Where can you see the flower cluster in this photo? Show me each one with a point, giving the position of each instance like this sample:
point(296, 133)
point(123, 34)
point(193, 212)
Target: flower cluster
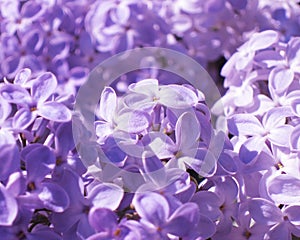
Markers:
point(69, 38)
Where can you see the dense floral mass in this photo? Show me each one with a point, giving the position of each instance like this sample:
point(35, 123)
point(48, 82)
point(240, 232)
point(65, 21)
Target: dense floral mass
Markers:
point(165, 165)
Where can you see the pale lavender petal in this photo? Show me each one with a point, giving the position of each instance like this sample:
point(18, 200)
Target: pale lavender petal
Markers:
point(251, 148)
point(295, 138)
point(5, 110)
point(9, 160)
point(178, 97)
point(103, 129)
point(152, 207)
point(263, 40)
point(280, 231)
point(276, 117)
point(269, 58)
point(106, 195)
point(209, 204)
point(22, 77)
point(9, 207)
point(206, 227)
point(280, 136)
point(280, 79)
point(133, 121)
point(186, 215)
point(140, 101)
point(148, 87)
point(108, 104)
point(53, 197)
point(187, 131)
point(264, 212)
point(293, 214)
point(103, 219)
point(293, 53)
point(284, 189)
point(245, 125)
point(43, 87)
point(295, 104)
point(23, 118)
point(15, 94)
point(54, 111)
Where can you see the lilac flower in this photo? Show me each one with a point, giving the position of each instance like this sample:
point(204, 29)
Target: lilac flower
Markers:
point(37, 103)
point(157, 215)
point(272, 129)
point(105, 222)
point(76, 216)
point(281, 222)
point(113, 118)
point(147, 94)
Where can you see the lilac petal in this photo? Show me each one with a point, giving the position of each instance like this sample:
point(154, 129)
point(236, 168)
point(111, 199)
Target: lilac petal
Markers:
point(293, 53)
point(103, 219)
point(187, 131)
point(160, 144)
point(227, 189)
point(9, 207)
point(9, 160)
point(276, 117)
point(122, 13)
point(251, 148)
point(15, 94)
point(280, 79)
point(295, 105)
point(202, 161)
point(245, 125)
point(280, 136)
point(22, 77)
point(295, 138)
point(103, 130)
point(43, 87)
point(152, 207)
point(264, 212)
point(269, 58)
point(53, 197)
point(64, 141)
point(293, 214)
point(244, 96)
point(133, 121)
point(72, 183)
point(16, 184)
point(209, 204)
point(280, 231)
point(5, 110)
point(54, 111)
point(154, 169)
point(263, 40)
point(140, 101)
point(178, 97)
point(23, 118)
point(108, 104)
point(106, 195)
point(284, 189)
point(84, 229)
point(39, 162)
point(206, 227)
point(186, 215)
point(227, 163)
point(148, 87)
